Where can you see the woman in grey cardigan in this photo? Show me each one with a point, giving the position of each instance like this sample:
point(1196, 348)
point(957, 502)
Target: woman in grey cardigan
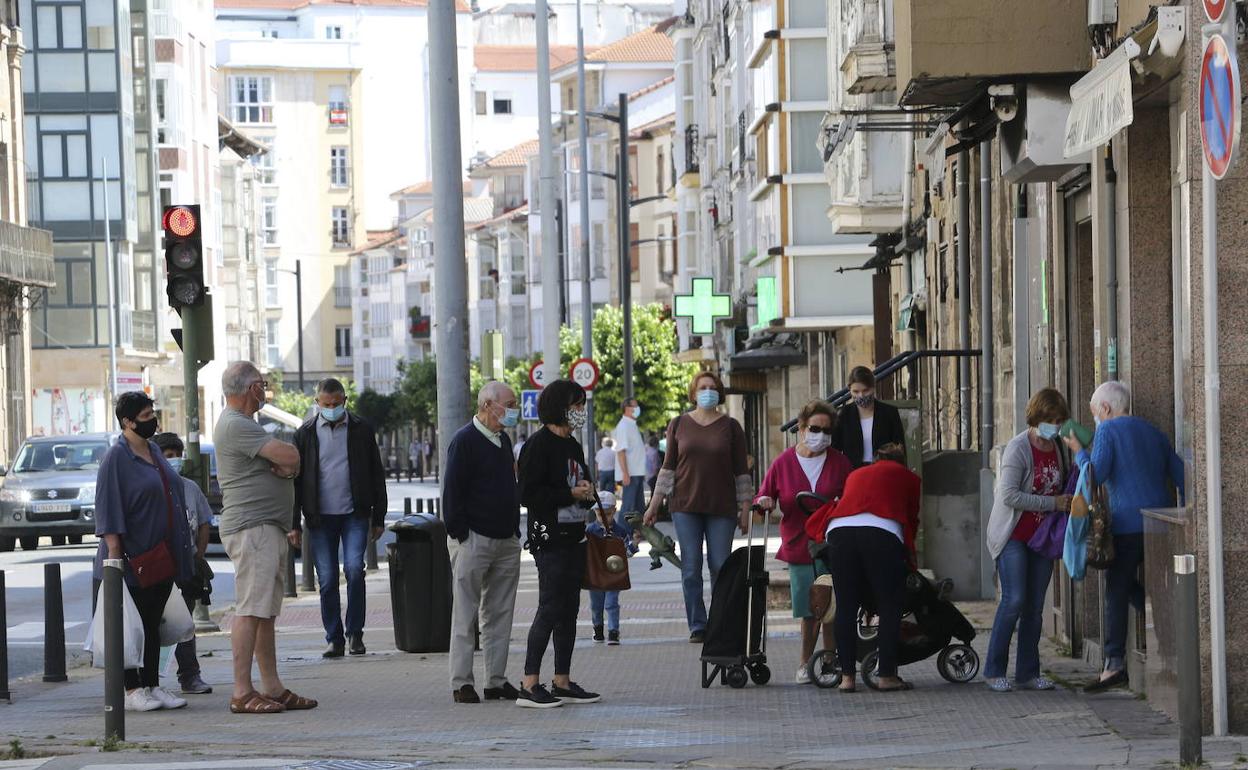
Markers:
point(1033, 474)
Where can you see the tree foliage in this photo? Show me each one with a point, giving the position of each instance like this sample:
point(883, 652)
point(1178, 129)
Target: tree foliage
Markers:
point(300, 404)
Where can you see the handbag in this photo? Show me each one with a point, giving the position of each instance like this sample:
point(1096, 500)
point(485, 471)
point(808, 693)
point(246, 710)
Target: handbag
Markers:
point(1100, 524)
point(1050, 537)
point(606, 558)
point(156, 565)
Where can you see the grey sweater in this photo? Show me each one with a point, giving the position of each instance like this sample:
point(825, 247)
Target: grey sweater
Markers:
point(1013, 493)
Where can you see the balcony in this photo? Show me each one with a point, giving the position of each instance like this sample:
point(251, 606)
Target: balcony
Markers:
point(691, 177)
point(947, 50)
point(26, 255)
point(869, 64)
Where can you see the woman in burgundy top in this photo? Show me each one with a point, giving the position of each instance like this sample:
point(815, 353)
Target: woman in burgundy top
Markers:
point(707, 484)
point(811, 466)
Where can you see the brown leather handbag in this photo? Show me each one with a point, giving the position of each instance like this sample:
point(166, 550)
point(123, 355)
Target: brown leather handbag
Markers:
point(606, 558)
point(1100, 527)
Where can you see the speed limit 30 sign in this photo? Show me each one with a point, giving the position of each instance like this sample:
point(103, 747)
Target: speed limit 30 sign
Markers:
point(584, 372)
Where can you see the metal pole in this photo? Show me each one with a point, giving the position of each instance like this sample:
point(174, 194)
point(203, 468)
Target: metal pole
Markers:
point(299, 316)
point(53, 625)
point(289, 592)
point(546, 201)
point(587, 300)
point(964, 299)
point(370, 554)
point(626, 248)
point(1111, 262)
point(907, 202)
point(112, 289)
point(407, 506)
point(450, 270)
point(1187, 645)
point(308, 583)
point(987, 374)
point(4, 643)
point(114, 654)
point(190, 387)
point(1213, 450)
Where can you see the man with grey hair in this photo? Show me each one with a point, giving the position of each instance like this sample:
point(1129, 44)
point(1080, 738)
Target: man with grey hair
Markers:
point(341, 493)
point(481, 509)
point(1135, 462)
point(255, 472)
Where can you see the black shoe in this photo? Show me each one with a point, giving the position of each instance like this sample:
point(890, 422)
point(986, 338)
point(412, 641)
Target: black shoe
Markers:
point(697, 637)
point(357, 644)
point(613, 637)
point(506, 692)
point(537, 698)
point(598, 637)
point(574, 693)
point(465, 694)
point(1116, 679)
point(334, 650)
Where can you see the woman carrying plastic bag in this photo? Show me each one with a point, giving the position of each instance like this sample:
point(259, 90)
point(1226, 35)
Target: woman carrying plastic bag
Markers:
point(132, 632)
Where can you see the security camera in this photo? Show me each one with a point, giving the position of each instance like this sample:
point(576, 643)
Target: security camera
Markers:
point(1171, 25)
point(1004, 101)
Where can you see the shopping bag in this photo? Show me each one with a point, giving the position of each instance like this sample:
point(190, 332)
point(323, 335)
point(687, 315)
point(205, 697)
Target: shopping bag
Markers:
point(176, 624)
point(132, 631)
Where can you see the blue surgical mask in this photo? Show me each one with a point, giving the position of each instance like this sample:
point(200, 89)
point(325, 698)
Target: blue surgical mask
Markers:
point(637, 412)
point(175, 463)
point(708, 399)
point(510, 418)
point(1047, 430)
point(333, 413)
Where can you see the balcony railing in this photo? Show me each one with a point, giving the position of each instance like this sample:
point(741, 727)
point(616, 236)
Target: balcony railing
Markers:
point(742, 125)
point(340, 239)
point(342, 296)
point(339, 115)
point(166, 24)
point(691, 149)
point(26, 255)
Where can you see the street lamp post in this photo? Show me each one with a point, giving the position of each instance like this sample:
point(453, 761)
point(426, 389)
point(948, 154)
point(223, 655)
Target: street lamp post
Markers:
point(626, 269)
point(298, 274)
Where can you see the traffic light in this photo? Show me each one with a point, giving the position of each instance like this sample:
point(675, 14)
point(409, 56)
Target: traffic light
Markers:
point(184, 256)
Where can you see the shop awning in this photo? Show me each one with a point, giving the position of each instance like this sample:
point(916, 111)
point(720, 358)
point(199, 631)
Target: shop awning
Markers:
point(1101, 102)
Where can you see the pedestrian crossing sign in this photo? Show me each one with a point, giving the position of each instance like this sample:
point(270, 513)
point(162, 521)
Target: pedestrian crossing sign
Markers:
point(528, 404)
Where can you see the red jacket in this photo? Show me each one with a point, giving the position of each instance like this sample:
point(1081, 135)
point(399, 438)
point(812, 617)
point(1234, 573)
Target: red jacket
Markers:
point(885, 488)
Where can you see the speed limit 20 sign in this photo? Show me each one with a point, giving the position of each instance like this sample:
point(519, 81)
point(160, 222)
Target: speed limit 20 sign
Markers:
point(584, 372)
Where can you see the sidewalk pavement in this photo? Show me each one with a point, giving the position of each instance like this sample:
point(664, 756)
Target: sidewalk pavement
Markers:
point(393, 710)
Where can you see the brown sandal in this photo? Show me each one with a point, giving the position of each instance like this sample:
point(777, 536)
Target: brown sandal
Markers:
point(255, 703)
point(293, 702)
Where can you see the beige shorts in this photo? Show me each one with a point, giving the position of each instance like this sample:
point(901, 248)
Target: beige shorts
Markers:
point(259, 556)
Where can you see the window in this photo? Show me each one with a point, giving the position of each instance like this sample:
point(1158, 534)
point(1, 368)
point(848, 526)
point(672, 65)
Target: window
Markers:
point(482, 101)
point(634, 248)
point(251, 99)
point(513, 190)
point(273, 354)
point(502, 103)
point(337, 106)
point(269, 33)
point(342, 286)
point(659, 165)
point(268, 224)
point(266, 162)
point(341, 229)
point(338, 166)
point(342, 345)
point(64, 154)
point(270, 283)
point(59, 28)
point(333, 32)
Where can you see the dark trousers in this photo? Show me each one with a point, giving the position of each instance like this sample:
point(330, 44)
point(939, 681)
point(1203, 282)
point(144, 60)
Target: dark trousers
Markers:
point(560, 571)
point(150, 602)
point(1122, 588)
point(867, 559)
point(187, 655)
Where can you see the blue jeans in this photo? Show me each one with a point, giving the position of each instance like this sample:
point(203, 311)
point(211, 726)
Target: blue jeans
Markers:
point(608, 600)
point(632, 500)
point(1122, 587)
point(692, 529)
point(352, 532)
point(606, 481)
point(1024, 576)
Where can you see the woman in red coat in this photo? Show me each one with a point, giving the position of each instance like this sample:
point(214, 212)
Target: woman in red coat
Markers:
point(870, 533)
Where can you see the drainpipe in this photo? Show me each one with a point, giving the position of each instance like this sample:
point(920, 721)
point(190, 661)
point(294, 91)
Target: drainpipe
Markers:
point(907, 262)
point(1111, 273)
point(964, 299)
point(986, 371)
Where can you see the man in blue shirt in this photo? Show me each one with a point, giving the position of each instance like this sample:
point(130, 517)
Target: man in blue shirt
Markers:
point(1137, 464)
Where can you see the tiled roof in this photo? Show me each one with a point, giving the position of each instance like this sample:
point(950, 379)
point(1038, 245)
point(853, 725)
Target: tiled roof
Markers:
point(375, 239)
point(292, 5)
point(649, 45)
point(516, 157)
point(520, 58)
point(426, 188)
point(520, 212)
point(475, 210)
point(640, 92)
point(640, 131)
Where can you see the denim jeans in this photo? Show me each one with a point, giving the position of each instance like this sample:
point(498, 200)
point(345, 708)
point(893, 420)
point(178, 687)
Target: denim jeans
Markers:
point(1122, 587)
point(606, 481)
point(1024, 576)
point(692, 529)
point(608, 600)
point(632, 500)
point(352, 533)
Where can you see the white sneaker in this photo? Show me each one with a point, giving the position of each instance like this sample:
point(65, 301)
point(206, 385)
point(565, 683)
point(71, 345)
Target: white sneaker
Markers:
point(803, 674)
point(167, 699)
point(142, 700)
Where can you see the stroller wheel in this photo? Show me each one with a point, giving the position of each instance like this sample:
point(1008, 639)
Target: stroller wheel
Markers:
point(958, 663)
point(823, 669)
point(736, 677)
point(760, 674)
point(870, 669)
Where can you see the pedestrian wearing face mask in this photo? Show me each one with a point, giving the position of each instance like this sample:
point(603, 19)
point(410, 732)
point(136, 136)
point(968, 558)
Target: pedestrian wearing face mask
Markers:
point(811, 466)
point(706, 483)
point(865, 424)
point(340, 494)
point(1033, 473)
point(630, 463)
point(481, 510)
point(555, 486)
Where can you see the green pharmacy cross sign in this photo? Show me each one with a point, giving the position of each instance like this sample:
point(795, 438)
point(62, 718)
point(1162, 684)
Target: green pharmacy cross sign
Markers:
point(703, 306)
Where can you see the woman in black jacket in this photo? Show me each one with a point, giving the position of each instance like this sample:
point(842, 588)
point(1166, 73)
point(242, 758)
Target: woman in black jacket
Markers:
point(864, 424)
point(555, 486)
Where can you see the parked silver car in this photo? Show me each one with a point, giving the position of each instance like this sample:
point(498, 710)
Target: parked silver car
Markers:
point(50, 490)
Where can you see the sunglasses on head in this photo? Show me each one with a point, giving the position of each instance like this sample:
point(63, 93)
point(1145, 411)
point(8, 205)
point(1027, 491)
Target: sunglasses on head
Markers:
point(818, 429)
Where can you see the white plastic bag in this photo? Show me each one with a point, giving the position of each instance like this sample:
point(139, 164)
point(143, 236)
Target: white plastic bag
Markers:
point(176, 624)
point(132, 631)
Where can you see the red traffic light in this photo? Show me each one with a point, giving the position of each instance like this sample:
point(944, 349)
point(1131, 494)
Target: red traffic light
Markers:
point(180, 221)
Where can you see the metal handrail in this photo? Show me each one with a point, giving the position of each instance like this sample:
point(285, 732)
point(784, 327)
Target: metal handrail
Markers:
point(886, 370)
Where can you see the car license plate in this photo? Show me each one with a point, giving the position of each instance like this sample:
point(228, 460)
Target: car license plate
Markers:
point(52, 507)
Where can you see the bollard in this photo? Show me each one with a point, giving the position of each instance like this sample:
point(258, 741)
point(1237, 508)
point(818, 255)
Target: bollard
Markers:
point(1187, 638)
point(309, 568)
point(407, 506)
point(53, 625)
point(289, 592)
point(420, 505)
point(4, 644)
point(370, 554)
point(114, 654)
point(203, 621)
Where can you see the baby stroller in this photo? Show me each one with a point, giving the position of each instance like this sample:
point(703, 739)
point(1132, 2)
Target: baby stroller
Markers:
point(735, 648)
point(929, 625)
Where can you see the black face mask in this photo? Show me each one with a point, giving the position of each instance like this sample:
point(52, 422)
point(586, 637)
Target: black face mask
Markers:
point(145, 429)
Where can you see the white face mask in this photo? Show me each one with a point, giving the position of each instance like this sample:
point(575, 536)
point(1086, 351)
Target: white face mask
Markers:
point(818, 442)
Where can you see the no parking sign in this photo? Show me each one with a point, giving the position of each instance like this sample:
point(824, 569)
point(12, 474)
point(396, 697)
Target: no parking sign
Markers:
point(1219, 106)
